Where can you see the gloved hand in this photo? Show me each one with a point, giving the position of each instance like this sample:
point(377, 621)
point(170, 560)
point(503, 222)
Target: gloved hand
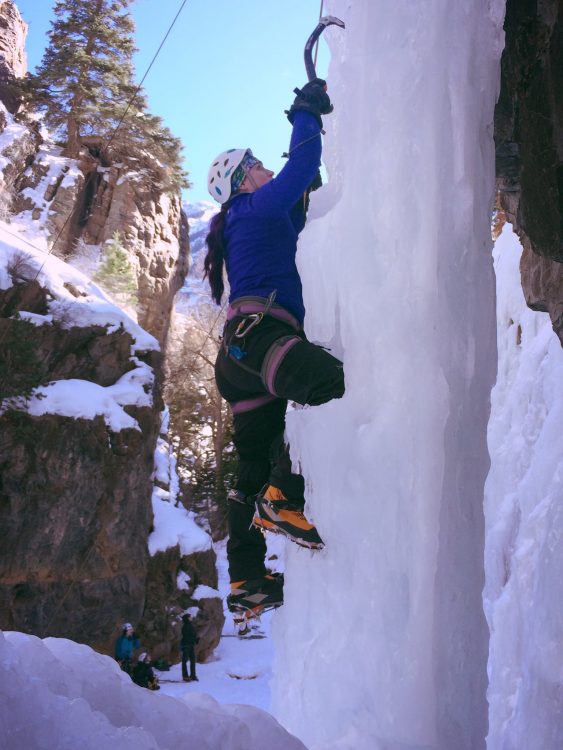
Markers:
point(311, 98)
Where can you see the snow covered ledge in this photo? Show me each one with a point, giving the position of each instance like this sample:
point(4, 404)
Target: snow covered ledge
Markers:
point(382, 641)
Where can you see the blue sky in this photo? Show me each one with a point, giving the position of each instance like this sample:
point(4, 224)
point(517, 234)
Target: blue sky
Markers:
point(224, 76)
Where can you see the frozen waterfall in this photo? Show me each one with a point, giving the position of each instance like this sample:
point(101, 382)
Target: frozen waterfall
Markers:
point(382, 643)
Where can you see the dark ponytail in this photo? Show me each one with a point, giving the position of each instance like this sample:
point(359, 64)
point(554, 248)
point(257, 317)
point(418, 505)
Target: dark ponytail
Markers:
point(215, 258)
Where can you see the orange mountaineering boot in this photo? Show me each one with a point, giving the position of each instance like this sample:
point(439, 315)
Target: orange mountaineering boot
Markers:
point(274, 512)
point(252, 597)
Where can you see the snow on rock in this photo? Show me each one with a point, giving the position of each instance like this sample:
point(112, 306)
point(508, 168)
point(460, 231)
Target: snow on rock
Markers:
point(524, 519)
point(12, 132)
point(162, 462)
point(91, 307)
point(172, 523)
point(183, 581)
point(53, 168)
point(82, 399)
point(175, 525)
point(75, 301)
point(205, 592)
point(57, 693)
point(165, 461)
point(37, 320)
point(382, 637)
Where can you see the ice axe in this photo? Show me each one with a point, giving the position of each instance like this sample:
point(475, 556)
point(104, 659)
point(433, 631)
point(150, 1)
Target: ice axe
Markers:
point(309, 64)
point(308, 55)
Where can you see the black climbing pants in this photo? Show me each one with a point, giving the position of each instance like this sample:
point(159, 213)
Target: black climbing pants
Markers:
point(188, 655)
point(258, 374)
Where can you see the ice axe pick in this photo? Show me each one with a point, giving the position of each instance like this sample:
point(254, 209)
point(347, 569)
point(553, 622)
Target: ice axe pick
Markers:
point(308, 55)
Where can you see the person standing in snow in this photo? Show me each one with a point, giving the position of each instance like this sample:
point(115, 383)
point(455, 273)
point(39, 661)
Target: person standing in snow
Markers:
point(187, 646)
point(265, 359)
point(125, 645)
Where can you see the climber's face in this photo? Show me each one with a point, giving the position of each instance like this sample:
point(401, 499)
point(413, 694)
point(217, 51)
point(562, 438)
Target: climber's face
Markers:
point(256, 178)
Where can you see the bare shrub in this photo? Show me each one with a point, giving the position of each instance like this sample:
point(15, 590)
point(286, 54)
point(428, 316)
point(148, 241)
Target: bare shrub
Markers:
point(21, 267)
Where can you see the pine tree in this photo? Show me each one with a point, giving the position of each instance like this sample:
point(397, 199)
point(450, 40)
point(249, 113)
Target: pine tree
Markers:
point(86, 85)
point(87, 65)
point(115, 274)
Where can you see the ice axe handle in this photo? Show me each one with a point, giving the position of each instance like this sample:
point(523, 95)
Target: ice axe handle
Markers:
point(308, 55)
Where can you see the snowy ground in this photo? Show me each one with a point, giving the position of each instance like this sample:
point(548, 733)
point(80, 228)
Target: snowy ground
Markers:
point(240, 670)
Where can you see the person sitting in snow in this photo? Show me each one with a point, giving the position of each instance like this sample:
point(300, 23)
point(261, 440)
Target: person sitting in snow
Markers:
point(125, 645)
point(265, 359)
point(143, 673)
point(187, 646)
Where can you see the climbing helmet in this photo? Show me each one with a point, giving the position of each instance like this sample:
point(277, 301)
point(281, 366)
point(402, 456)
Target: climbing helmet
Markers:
point(227, 172)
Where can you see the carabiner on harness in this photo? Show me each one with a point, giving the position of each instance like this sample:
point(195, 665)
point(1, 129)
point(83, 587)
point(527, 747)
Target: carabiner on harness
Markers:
point(247, 324)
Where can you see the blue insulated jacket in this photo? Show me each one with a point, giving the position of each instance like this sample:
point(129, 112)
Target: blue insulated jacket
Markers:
point(125, 646)
point(262, 227)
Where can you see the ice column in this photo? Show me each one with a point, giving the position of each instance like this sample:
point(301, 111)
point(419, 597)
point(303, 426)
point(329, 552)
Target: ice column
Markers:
point(382, 642)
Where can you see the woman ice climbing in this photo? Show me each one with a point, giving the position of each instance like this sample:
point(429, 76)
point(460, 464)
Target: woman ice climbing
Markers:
point(265, 359)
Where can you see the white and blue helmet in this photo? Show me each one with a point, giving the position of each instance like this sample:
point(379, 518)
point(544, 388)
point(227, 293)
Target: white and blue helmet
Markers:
point(227, 172)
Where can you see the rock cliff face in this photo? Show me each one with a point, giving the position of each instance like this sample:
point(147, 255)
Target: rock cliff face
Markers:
point(12, 40)
point(85, 203)
point(529, 147)
point(74, 493)
point(104, 200)
point(161, 624)
point(76, 481)
point(13, 60)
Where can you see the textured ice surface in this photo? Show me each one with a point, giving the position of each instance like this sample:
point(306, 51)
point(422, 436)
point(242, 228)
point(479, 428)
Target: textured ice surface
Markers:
point(524, 517)
point(58, 694)
point(382, 641)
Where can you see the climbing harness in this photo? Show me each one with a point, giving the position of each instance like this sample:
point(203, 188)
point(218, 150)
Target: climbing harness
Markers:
point(252, 311)
point(253, 318)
